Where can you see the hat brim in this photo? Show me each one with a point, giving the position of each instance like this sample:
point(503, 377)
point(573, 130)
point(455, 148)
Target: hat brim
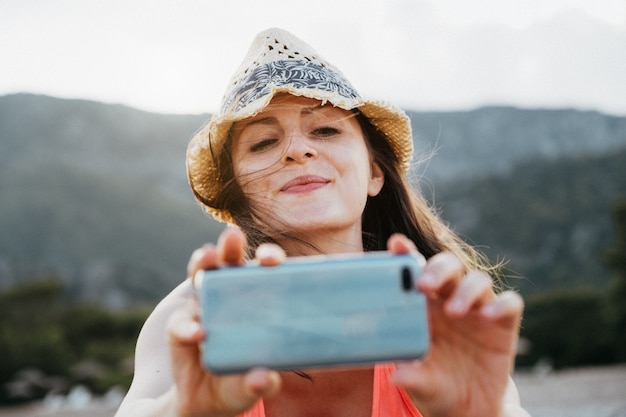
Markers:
point(208, 144)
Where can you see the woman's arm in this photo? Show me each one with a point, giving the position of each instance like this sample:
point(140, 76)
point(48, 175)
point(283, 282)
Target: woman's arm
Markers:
point(511, 402)
point(151, 392)
point(169, 378)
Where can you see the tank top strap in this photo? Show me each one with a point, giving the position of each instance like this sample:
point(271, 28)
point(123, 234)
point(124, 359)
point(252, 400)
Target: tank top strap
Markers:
point(258, 410)
point(390, 400)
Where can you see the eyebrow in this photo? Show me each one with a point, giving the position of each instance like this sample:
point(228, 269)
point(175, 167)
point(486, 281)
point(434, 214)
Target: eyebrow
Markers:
point(270, 120)
point(312, 109)
point(261, 121)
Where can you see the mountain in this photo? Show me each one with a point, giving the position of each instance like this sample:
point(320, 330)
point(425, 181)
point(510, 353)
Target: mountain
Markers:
point(534, 188)
point(96, 194)
point(494, 140)
point(550, 219)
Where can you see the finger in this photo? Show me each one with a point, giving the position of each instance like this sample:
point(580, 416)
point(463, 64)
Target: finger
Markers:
point(415, 379)
point(400, 244)
point(231, 247)
point(183, 327)
point(508, 305)
point(441, 275)
point(202, 258)
point(473, 291)
point(184, 335)
point(238, 393)
point(269, 254)
point(262, 382)
point(505, 312)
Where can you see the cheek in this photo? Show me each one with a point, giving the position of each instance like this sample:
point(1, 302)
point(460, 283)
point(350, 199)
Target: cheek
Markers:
point(256, 184)
point(252, 183)
point(258, 166)
point(356, 167)
point(248, 172)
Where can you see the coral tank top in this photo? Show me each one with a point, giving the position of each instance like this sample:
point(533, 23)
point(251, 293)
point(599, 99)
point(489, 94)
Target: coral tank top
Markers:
point(388, 399)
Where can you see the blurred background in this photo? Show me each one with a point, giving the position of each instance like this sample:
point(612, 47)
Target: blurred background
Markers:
point(519, 117)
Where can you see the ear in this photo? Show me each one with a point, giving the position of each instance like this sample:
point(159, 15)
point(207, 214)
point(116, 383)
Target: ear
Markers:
point(377, 180)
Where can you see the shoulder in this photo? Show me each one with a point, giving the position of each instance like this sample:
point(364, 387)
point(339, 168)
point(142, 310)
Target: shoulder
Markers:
point(153, 374)
point(178, 297)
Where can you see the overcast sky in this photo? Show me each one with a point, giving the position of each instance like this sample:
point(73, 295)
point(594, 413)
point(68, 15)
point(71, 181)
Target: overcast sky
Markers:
point(177, 56)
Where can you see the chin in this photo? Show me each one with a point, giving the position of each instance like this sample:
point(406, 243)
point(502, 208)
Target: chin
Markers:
point(317, 216)
point(304, 224)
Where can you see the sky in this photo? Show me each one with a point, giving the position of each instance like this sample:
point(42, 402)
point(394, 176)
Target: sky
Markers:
point(176, 57)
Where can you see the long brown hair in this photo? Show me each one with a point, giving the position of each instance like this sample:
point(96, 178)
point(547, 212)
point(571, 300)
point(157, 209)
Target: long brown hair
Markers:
point(398, 208)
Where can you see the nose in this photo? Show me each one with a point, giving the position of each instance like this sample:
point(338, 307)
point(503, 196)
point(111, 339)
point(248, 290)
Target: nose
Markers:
point(299, 149)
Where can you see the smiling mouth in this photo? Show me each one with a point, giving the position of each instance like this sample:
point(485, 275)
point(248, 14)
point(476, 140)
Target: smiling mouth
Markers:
point(304, 183)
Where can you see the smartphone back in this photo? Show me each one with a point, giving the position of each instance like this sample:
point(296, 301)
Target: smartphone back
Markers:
point(346, 310)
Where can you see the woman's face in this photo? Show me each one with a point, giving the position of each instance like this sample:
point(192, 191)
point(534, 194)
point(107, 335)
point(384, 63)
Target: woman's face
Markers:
point(306, 165)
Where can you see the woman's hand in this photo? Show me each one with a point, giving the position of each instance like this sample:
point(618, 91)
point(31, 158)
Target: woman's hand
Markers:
point(200, 393)
point(473, 342)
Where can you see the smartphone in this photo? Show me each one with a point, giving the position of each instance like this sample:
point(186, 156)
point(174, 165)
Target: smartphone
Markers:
point(311, 312)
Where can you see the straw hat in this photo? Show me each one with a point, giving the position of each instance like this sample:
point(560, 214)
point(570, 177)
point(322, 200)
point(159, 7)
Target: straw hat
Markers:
point(279, 62)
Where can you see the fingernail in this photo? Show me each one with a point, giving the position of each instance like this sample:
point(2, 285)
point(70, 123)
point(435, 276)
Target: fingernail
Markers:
point(490, 310)
point(269, 254)
point(190, 329)
point(427, 278)
point(273, 377)
point(264, 250)
point(456, 306)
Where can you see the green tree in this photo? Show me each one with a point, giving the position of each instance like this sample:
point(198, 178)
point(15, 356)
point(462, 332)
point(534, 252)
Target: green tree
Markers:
point(568, 328)
point(30, 330)
point(84, 344)
point(615, 258)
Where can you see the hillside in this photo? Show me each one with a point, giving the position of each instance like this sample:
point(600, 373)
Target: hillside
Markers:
point(494, 140)
point(550, 219)
point(97, 194)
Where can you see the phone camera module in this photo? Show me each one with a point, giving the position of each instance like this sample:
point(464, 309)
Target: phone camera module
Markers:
point(407, 279)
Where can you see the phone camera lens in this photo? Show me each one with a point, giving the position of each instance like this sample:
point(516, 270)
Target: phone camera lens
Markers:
point(407, 279)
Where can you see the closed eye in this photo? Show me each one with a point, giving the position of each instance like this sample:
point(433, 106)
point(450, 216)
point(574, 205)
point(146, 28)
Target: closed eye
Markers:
point(262, 145)
point(326, 131)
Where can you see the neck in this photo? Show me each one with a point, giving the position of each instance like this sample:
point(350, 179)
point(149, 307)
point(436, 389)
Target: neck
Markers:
point(323, 242)
point(334, 393)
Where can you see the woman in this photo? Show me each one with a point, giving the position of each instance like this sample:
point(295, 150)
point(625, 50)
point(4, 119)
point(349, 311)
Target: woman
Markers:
point(302, 165)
